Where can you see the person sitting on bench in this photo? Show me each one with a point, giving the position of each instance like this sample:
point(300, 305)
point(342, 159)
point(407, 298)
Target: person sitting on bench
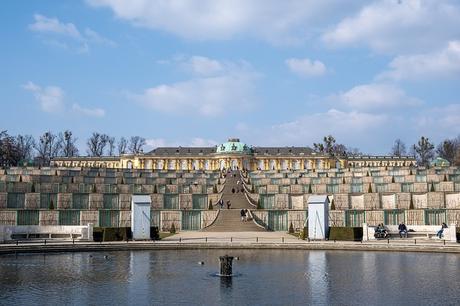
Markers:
point(441, 231)
point(402, 230)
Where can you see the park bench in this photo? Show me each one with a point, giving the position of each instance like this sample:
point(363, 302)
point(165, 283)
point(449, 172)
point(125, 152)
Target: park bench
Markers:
point(414, 232)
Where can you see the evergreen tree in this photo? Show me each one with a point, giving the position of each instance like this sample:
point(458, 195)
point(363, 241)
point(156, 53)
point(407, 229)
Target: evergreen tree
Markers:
point(332, 205)
point(291, 228)
point(210, 207)
point(259, 206)
point(369, 190)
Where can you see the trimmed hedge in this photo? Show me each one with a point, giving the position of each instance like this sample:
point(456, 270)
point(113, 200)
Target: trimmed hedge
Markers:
point(112, 234)
point(346, 233)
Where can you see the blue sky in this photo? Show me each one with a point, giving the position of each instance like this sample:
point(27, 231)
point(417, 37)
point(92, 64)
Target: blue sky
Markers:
point(198, 72)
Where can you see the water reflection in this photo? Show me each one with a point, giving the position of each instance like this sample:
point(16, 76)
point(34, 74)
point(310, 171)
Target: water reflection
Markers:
point(275, 277)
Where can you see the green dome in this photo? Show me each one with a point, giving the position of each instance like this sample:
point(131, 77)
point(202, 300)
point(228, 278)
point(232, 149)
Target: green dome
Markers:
point(233, 145)
point(440, 162)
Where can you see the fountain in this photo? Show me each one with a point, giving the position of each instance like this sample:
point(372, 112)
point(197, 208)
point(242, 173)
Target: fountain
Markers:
point(226, 265)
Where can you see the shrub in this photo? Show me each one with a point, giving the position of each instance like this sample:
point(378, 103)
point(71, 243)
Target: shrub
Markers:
point(259, 206)
point(303, 233)
point(155, 189)
point(369, 190)
point(296, 181)
point(51, 206)
point(214, 189)
point(393, 179)
point(32, 188)
point(432, 187)
point(346, 233)
point(411, 204)
point(154, 233)
point(309, 189)
point(172, 230)
point(332, 205)
point(291, 228)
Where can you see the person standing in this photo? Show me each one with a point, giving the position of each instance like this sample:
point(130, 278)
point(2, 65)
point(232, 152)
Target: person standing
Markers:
point(228, 204)
point(246, 215)
point(243, 215)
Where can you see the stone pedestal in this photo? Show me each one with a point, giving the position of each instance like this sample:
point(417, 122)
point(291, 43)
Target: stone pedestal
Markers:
point(226, 265)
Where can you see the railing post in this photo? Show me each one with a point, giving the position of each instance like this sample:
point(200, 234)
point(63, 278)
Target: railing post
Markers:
point(206, 239)
point(415, 241)
point(282, 239)
point(444, 241)
point(231, 239)
point(17, 242)
point(388, 241)
point(257, 239)
point(45, 241)
point(180, 239)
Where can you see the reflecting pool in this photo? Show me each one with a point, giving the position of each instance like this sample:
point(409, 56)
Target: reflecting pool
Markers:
point(263, 277)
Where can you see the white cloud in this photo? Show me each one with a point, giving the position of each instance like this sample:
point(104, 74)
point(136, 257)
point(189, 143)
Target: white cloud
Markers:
point(204, 66)
point(153, 143)
point(375, 96)
point(394, 26)
point(347, 127)
point(51, 98)
point(228, 90)
point(438, 121)
point(305, 67)
point(44, 24)
point(62, 34)
point(440, 64)
point(271, 20)
point(201, 142)
point(91, 112)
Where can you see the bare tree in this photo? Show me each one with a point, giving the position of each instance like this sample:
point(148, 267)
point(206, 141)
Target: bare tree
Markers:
point(136, 144)
point(9, 155)
point(330, 147)
point(424, 151)
point(67, 146)
point(353, 152)
point(47, 147)
point(122, 146)
point(25, 147)
point(399, 148)
point(448, 149)
point(96, 144)
point(111, 146)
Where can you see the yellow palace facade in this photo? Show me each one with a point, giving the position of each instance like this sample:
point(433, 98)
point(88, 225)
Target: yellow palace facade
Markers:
point(232, 154)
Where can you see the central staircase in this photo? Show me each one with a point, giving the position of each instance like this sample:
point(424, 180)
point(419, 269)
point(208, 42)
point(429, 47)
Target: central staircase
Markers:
point(229, 220)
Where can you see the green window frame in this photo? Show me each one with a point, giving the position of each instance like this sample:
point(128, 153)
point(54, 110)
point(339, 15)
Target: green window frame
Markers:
point(15, 200)
point(80, 201)
point(110, 201)
point(27, 217)
point(435, 216)
point(355, 218)
point(109, 218)
point(69, 217)
point(394, 216)
point(46, 198)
